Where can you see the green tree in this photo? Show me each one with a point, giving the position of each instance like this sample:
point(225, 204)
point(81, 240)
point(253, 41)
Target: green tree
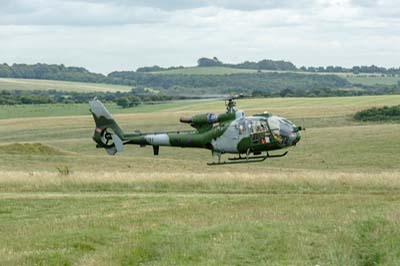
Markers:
point(207, 62)
point(123, 102)
point(133, 101)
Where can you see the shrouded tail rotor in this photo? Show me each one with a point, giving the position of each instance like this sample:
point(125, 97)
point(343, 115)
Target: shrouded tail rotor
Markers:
point(110, 141)
point(108, 134)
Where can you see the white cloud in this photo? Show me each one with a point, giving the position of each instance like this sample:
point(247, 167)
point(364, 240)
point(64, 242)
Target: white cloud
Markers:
point(121, 34)
point(77, 13)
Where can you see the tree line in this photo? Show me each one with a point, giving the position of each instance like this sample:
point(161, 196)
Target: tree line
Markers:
point(264, 64)
point(50, 72)
point(280, 65)
point(142, 95)
point(123, 99)
point(230, 83)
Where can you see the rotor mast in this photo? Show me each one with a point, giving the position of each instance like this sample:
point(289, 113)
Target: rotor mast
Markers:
point(230, 104)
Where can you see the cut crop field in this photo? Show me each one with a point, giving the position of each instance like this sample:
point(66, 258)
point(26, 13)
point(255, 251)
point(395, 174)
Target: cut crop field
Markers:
point(334, 200)
point(37, 84)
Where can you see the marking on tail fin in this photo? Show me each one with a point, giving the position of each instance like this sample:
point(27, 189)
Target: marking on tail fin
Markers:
point(99, 109)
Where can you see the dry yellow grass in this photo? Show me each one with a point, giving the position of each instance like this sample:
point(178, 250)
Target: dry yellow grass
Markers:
point(35, 177)
point(221, 181)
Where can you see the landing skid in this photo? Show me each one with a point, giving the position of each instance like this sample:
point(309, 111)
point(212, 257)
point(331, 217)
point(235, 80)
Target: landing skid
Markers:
point(247, 159)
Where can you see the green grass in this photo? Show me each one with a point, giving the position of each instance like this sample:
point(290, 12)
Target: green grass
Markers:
point(180, 229)
point(37, 84)
point(334, 200)
point(50, 110)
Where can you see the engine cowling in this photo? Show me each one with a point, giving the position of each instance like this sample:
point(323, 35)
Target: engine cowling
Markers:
point(200, 119)
point(206, 120)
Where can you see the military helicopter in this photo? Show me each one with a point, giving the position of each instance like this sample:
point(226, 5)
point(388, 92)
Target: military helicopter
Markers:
point(250, 137)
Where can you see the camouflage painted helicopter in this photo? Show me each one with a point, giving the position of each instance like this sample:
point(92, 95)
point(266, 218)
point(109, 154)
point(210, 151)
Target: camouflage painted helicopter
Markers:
point(251, 137)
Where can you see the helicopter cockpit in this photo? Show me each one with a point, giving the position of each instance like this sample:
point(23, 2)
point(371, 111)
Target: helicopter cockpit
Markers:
point(260, 129)
point(284, 131)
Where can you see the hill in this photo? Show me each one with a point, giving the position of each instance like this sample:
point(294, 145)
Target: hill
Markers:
point(210, 77)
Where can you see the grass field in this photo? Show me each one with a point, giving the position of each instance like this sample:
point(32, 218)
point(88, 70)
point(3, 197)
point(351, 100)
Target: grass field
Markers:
point(36, 84)
point(334, 200)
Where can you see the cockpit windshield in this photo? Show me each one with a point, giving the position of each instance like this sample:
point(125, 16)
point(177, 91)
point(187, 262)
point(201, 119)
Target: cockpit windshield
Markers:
point(281, 129)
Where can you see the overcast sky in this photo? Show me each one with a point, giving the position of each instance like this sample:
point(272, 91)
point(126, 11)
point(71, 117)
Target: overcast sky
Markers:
point(122, 35)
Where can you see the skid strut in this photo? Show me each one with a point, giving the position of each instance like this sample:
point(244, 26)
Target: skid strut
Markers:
point(248, 159)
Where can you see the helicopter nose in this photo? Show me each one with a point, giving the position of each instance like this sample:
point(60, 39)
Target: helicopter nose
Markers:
point(294, 137)
point(297, 139)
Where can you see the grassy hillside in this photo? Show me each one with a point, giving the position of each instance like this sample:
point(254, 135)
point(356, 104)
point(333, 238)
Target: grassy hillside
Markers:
point(35, 84)
point(334, 200)
point(274, 83)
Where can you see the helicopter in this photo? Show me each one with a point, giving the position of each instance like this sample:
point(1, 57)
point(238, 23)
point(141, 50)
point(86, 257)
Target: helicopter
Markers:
point(251, 138)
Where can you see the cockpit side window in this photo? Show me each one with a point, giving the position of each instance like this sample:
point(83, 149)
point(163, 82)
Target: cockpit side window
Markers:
point(274, 125)
point(242, 125)
point(257, 126)
point(253, 126)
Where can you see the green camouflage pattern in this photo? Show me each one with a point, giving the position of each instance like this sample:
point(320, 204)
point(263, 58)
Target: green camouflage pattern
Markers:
point(230, 132)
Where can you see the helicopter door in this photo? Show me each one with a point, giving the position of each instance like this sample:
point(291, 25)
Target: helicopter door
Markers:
point(259, 132)
point(243, 126)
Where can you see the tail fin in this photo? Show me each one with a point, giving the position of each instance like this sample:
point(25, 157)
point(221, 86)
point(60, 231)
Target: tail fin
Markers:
point(107, 134)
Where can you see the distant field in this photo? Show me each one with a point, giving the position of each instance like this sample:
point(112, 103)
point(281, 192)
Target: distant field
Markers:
point(363, 79)
point(35, 84)
point(293, 107)
point(372, 80)
point(334, 200)
point(205, 71)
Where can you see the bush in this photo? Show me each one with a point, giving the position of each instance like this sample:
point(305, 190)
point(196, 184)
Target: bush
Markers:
point(385, 113)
